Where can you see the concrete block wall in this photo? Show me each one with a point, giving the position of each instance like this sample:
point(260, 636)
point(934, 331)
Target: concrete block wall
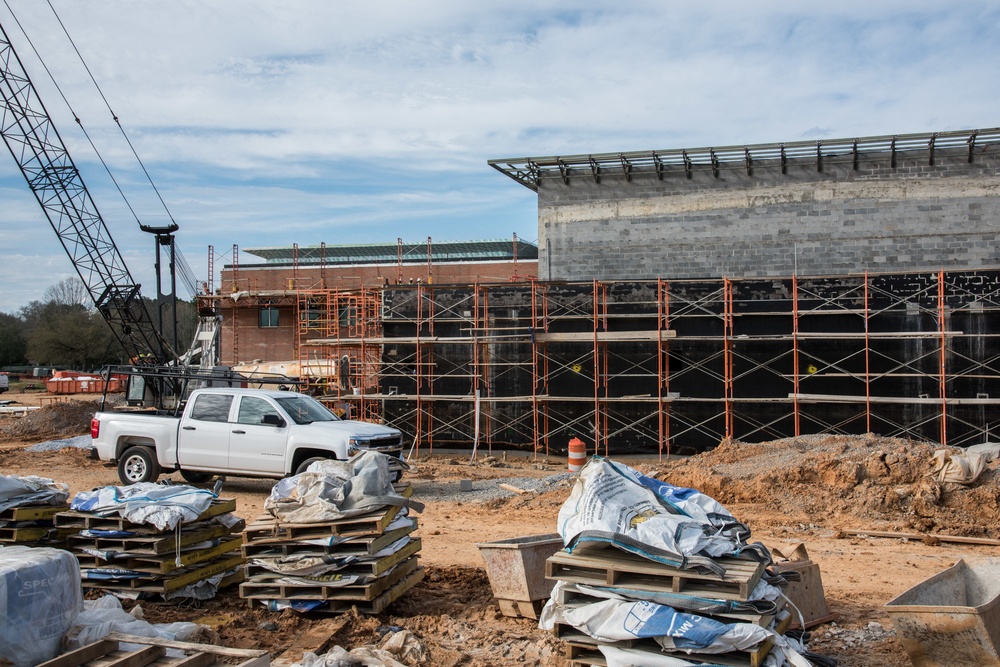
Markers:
point(808, 221)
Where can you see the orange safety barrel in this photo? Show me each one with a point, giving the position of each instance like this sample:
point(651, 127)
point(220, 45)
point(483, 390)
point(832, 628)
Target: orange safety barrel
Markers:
point(577, 454)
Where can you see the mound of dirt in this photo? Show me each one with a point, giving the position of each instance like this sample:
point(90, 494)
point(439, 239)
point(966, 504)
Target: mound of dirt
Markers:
point(847, 480)
point(52, 421)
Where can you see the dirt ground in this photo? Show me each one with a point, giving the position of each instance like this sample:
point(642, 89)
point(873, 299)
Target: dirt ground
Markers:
point(799, 490)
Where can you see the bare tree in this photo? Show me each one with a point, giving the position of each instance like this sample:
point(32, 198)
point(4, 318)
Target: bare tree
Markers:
point(69, 292)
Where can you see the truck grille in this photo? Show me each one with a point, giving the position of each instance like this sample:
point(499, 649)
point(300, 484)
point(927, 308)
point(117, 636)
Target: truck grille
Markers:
point(387, 442)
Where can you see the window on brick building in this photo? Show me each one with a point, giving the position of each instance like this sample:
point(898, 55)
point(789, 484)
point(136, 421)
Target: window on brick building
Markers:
point(268, 317)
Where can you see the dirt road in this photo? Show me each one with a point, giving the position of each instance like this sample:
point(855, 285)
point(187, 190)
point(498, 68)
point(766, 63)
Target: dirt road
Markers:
point(453, 611)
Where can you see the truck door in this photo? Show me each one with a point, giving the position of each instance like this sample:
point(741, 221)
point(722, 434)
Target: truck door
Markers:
point(203, 438)
point(253, 445)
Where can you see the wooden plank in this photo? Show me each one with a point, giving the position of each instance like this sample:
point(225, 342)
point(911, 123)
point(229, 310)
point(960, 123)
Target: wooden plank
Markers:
point(612, 567)
point(265, 588)
point(245, 654)
point(269, 528)
point(932, 538)
point(32, 512)
point(196, 660)
point(81, 520)
point(84, 654)
point(316, 640)
point(604, 336)
point(372, 567)
point(140, 658)
point(34, 535)
point(361, 545)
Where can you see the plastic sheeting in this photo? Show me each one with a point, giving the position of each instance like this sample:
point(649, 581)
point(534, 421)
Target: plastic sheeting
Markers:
point(163, 506)
point(331, 490)
point(105, 615)
point(682, 527)
point(31, 490)
point(40, 595)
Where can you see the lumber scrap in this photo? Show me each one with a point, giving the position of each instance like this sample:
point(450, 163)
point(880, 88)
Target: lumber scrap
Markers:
point(930, 538)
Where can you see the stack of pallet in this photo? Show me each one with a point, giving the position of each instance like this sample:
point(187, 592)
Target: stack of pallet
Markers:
point(593, 570)
point(118, 555)
point(31, 525)
point(365, 561)
point(27, 506)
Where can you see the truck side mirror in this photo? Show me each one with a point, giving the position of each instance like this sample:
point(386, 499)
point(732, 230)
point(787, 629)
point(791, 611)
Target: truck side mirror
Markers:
point(272, 420)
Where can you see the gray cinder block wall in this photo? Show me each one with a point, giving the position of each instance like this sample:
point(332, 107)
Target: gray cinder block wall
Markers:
point(835, 221)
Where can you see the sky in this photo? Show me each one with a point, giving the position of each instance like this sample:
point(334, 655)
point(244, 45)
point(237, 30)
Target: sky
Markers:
point(307, 121)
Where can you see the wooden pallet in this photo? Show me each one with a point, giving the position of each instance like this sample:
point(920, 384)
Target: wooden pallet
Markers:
point(166, 563)
point(32, 512)
point(613, 567)
point(376, 606)
point(154, 583)
point(154, 544)
point(108, 653)
point(83, 520)
point(363, 545)
point(267, 528)
point(260, 589)
point(373, 567)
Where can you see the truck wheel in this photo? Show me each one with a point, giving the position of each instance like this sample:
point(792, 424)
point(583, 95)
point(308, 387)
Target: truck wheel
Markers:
point(196, 477)
point(308, 462)
point(138, 464)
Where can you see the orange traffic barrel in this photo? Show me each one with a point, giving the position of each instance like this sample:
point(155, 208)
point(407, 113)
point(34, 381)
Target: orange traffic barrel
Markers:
point(577, 454)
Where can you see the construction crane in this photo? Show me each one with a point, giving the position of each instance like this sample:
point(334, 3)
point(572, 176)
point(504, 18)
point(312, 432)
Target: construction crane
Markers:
point(40, 153)
point(157, 374)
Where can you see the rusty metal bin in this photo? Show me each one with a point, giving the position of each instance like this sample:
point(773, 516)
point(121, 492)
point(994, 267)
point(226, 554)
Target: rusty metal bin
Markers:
point(952, 618)
point(516, 568)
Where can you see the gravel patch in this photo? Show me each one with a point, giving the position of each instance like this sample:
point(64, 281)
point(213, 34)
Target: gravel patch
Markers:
point(484, 490)
point(79, 442)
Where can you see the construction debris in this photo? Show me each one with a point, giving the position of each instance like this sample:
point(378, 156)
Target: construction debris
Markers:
point(174, 541)
point(655, 574)
point(27, 507)
point(338, 536)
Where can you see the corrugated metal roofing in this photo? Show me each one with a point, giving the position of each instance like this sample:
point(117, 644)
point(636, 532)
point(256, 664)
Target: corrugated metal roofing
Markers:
point(528, 171)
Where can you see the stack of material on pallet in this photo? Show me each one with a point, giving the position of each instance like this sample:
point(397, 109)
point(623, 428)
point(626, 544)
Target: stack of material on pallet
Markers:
point(27, 506)
point(659, 575)
point(175, 541)
point(338, 536)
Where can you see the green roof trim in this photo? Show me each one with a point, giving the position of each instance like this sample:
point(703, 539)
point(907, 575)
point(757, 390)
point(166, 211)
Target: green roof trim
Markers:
point(389, 253)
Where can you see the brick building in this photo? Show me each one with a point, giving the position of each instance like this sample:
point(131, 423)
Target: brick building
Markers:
point(259, 300)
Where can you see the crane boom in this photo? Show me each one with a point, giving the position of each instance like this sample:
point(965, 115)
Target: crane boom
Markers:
point(54, 179)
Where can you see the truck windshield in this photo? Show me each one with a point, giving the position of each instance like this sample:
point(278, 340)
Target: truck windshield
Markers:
point(306, 410)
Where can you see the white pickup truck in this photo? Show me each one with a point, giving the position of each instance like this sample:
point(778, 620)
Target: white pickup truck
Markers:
point(238, 432)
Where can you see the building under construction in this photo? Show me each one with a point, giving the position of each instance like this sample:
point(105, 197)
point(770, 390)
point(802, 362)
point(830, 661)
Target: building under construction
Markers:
point(754, 292)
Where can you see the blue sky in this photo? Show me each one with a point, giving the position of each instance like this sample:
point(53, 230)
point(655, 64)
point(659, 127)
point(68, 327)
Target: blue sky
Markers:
point(311, 121)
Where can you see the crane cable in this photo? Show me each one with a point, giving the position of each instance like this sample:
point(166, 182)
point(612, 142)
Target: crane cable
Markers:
point(110, 110)
point(71, 110)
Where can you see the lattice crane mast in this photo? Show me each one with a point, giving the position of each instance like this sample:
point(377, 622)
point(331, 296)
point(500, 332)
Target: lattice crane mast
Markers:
point(54, 179)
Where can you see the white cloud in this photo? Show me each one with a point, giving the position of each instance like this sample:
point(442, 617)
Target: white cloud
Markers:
point(266, 123)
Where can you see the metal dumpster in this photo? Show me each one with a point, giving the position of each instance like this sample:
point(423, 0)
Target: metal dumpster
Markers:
point(516, 568)
point(952, 618)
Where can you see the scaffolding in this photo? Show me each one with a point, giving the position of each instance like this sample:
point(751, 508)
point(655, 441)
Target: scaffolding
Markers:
point(661, 366)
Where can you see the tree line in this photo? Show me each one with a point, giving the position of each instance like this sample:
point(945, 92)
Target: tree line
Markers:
point(65, 330)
